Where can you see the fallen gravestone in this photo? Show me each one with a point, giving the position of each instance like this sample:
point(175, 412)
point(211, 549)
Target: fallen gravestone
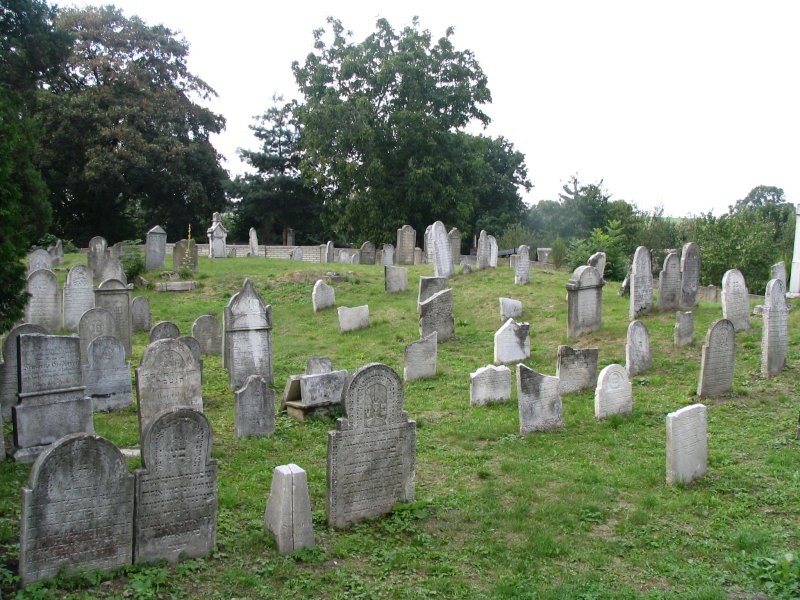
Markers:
point(540, 406)
point(317, 392)
point(637, 349)
point(687, 444)
point(490, 384)
point(288, 513)
point(420, 358)
point(512, 342)
point(255, 409)
point(718, 360)
point(576, 369)
point(613, 394)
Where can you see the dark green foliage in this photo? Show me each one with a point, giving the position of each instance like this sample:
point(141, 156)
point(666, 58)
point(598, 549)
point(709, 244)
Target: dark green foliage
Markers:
point(516, 235)
point(611, 240)
point(132, 259)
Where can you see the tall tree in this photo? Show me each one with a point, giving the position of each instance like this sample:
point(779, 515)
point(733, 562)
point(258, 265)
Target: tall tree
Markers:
point(127, 146)
point(586, 207)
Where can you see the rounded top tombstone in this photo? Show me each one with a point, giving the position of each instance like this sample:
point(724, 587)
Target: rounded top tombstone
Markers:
point(374, 397)
point(176, 427)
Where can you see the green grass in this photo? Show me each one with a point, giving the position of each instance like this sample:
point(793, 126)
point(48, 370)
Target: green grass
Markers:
point(579, 513)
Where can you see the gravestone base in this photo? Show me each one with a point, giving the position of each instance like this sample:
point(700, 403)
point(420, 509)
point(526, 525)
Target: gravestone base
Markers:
point(301, 412)
point(175, 286)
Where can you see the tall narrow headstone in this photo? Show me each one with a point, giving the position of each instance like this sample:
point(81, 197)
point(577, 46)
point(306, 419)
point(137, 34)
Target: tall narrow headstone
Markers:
point(248, 336)
point(687, 444)
point(421, 358)
point(717, 360)
point(97, 255)
point(442, 253)
point(641, 283)
point(584, 301)
point(9, 371)
point(164, 330)
point(255, 409)
point(155, 249)
point(436, 314)
point(217, 238)
point(690, 274)
point(484, 251)
point(512, 342)
point(428, 286)
point(492, 251)
point(184, 255)
point(454, 236)
point(684, 328)
point(522, 270)
point(613, 394)
point(367, 253)
point(490, 384)
point(288, 513)
point(39, 259)
point(387, 255)
point(637, 349)
point(669, 283)
point(540, 407)
point(253, 241)
point(205, 330)
point(406, 242)
point(107, 376)
point(395, 279)
point(372, 452)
point(735, 300)
point(329, 250)
point(78, 296)
point(576, 368)
point(775, 331)
point(322, 296)
point(44, 304)
point(141, 319)
point(115, 297)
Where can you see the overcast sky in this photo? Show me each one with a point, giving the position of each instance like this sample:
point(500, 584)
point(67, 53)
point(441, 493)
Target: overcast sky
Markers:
point(684, 104)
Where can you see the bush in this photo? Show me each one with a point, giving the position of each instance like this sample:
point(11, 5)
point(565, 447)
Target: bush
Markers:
point(611, 241)
point(515, 236)
point(558, 252)
point(132, 259)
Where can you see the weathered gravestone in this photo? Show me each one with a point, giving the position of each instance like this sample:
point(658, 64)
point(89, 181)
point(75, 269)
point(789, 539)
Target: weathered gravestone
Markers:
point(465, 268)
point(176, 490)
point(613, 394)
point(442, 252)
point(484, 251)
point(44, 304)
point(775, 330)
point(637, 349)
point(387, 255)
point(584, 301)
point(39, 259)
point(406, 242)
point(372, 452)
point(167, 377)
point(778, 271)
point(232, 252)
point(94, 323)
point(690, 274)
point(510, 309)
point(217, 238)
point(512, 342)
point(454, 237)
point(428, 286)
point(540, 407)
point(492, 251)
point(141, 319)
point(687, 444)
point(97, 255)
point(669, 283)
point(253, 241)
point(115, 297)
point(255, 409)
point(52, 399)
point(395, 279)
point(735, 300)
point(421, 358)
point(436, 314)
point(576, 368)
point(9, 371)
point(296, 253)
point(641, 283)
point(247, 345)
point(367, 253)
point(194, 347)
point(77, 510)
point(522, 269)
point(107, 376)
point(329, 252)
point(684, 328)
point(56, 252)
point(164, 330)
point(112, 269)
point(322, 296)
point(155, 248)
point(288, 513)
point(543, 255)
point(78, 296)
point(352, 319)
point(490, 384)
point(184, 255)
point(598, 261)
point(205, 330)
point(317, 391)
point(718, 360)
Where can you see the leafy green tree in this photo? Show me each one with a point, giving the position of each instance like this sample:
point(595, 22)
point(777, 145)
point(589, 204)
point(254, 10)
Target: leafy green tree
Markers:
point(585, 207)
point(515, 235)
point(126, 145)
point(611, 240)
point(770, 203)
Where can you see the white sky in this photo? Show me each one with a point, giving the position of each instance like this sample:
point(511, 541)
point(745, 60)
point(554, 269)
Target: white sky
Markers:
point(685, 104)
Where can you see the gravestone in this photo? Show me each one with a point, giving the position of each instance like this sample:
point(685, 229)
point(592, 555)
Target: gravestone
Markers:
point(317, 392)
point(584, 301)
point(576, 369)
point(406, 242)
point(419, 259)
point(317, 365)
point(167, 377)
point(442, 253)
point(598, 261)
point(421, 358)
point(465, 268)
point(141, 319)
point(690, 274)
point(436, 314)
point(352, 319)
point(395, 279)
point(78, 296)
point(77, 510)
point(490, 384)
point(735, 300)
point(176, 488)
point(613, 394)
point(684, 328)
point(56, 252)
point(329, 249)
point(44, 304)
point(247, 345)
point(96, 255)
point(775, 330)
point(540, 407)
point(484, 251)
point(509, 309)
point(296, 254)
point(112, 269)
point(641, 283)
point(194, 347)
point(9, 371)
point(522, 268)
point(39, 259)
point(217, 238)
point(322, 296)
point(717, 360)
point(687, 444)
point(253, 241)
point(637, 349)
point(512, 342)
point(288, 513)
point(115, 297)
point(184, 255)
point(428, 286)
point(669, 283)
point(454, 237)
point(205, 330)
point(543, 255)
point(232, 252)
point(492, 251)
point(52, 400)
point(372, 452)
point(107, 376)
point(164, 330)
point(155, 249)
point(778, 271)
point(387, 255)
point(289, 237)
point(367, 253)
point(255, 409)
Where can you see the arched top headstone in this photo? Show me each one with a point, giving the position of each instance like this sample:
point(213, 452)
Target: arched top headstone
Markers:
point(721, 335)
point(775, 296)
point(98, 244)
point(164, 330)
point(374, 398)
point(79, 276)
point(167, 354)
point(442, 254)
point(177, 440)
point(39, 259)
point(585, 276)
point(112, 284)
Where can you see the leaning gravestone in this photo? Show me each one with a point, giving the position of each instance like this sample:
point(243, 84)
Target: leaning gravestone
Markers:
point(255, 409)
point(322, 296)
point(775, 331)
point(140, 314)
point(44, 304)
point(522, 270)
point(247, 345)
point(406, 242)
point(690, 274)
point(718, 360)
point(684, 328)
point(253, 241)
point(167, 377)
point(184, 255)
point(598, 261)
point(114, 296)
point(669, 283)
point(107, 377)
point(584, 301)
point(176, 490)
point(387, 255)
point(492, 252)
point(288, 513)
point(735, 300)
point(352, 319)
point(576, 368)
point(52, 399)
point(395, 279)
point(442, 253)
point(9, 369)
point(510, 309)
point(78, 296)
point(540, 407)
point(372, 452)
point(484, 251)
point(421, 358)
point(454, 237)
point(490, 384)
point(641, 283)
point(637, 349)
point(428, 286)
point(164, 330)
point(367, 253)
point(512, 342)
point(155, 248)
point(40, 259)
point(687, 444)
point(613, 394)
point(97, 255)
point(436, 314)
point(77, 510)
point(205, 330)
